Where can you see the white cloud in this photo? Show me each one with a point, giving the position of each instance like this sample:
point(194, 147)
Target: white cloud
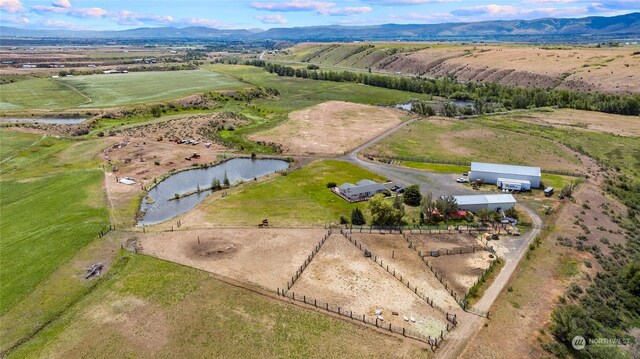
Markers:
point(271, 19)
point(125, 17)
point(407, 2)
point(491, 10)
point(287, 6)
point(62, 3)
point(11, 6)
point(192, 21)
point(345, 11)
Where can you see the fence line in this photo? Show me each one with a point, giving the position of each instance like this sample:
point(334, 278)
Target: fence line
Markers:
point(420, 229)
point(308, 260)
point(433, 342)
point(453, 319)
point(426, 262)
point(104, 232)
point(388, 159)
point(459, 250)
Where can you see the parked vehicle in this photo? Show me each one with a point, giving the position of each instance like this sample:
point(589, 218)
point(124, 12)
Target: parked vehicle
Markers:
point(394, 188)
point(462, 180)
point(548, 192)
point(465, 173)
point(400, 190)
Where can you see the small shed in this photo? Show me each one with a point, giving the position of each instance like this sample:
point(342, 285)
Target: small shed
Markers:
point(361, 190)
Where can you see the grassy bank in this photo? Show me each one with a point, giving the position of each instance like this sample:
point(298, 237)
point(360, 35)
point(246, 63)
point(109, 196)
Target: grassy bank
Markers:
point(152, 308)
point(300, 198)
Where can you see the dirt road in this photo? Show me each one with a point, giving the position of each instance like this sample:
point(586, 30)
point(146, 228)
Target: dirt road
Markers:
point(459, 338)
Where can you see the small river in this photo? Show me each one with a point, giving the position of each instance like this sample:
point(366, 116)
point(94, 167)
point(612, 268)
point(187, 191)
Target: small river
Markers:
point(165, 207)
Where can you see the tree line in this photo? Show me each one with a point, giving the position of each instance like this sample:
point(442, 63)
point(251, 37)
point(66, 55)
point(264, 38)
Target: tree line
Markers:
point(485, 96)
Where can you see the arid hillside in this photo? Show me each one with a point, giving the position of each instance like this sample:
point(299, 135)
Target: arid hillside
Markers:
point(610, 70)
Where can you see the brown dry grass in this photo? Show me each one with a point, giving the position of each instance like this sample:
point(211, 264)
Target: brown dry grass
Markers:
point(331, 128)
point(587, 120)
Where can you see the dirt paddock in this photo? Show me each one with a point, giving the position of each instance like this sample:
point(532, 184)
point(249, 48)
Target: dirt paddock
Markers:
point(266, 257)
point(342, 276)
point(394, 251)
point(331, 128)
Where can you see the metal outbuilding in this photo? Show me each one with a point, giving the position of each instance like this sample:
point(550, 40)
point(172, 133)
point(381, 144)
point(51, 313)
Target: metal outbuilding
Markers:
point(492, 202)
point(491, 172)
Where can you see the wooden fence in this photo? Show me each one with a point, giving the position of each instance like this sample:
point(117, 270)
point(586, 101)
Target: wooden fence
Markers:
point(308, 260)
point(372, 320)
point(398, 276)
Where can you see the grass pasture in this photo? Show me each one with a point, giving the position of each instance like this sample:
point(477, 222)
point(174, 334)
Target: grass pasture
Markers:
point(442, 139)
point(96, 91)
point(298, 199)
point(152, 308)
point(13, 142)
point(31, 252)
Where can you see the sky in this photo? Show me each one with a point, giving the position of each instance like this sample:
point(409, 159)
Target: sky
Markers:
point(246, 14)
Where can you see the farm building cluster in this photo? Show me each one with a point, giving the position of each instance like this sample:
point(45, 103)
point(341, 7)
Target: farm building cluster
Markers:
point(506, 177)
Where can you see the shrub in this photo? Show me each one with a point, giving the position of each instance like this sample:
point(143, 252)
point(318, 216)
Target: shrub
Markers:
point(344, 220)
point(332, 185)
point(357, 218)
point(412, 196)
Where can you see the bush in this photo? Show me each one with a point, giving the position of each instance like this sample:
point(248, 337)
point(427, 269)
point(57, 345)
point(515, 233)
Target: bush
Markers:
point(357, 218)
point(344, 220)
point(412, 196)
point(511, 212)
point(332, 185)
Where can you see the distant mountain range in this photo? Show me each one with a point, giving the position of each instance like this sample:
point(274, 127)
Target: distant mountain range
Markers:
point(621, 26)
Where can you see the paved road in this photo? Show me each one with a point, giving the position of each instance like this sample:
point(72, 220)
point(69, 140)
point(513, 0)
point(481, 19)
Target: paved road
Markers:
point(438, 183)
point(444, 184)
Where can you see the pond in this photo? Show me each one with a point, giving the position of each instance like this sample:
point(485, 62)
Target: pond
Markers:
point(49, 121)
point(163, 204)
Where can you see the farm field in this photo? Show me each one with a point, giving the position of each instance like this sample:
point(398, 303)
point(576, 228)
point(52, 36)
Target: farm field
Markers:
point(13, 142)
point(612, 70)
point(301, 198)
point(341, 276)
point(263, 257)
point(297, 93)
point(452, 140)
point(331, 128)
point(149, 307)
point(392, 249)
point(96, 91)
point(627, 126)
point(30, 254)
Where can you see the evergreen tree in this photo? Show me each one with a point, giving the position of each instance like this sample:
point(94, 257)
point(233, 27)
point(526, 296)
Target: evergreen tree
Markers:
point(357, 218)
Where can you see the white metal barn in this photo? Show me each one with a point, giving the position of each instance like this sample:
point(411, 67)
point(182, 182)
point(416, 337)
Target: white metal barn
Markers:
point(361, 190)
point(492, 202)
point(491, 172)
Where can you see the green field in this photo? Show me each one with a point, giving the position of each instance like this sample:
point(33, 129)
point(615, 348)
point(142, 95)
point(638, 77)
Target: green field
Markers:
point(96, 91)
point(152, 308)
point(300, 198)
point(13, 142)
point(36, 236)
point(451, 140)
point(295, 94)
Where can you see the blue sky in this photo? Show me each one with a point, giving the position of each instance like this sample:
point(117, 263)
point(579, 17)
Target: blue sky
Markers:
point(117, 14)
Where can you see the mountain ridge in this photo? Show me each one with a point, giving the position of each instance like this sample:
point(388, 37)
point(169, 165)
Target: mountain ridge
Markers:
point(628, 24)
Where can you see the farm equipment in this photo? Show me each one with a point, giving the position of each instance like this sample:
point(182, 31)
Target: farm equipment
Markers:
point(477, 183)
point(194, 156)
point(94, 270)
point(265, 223)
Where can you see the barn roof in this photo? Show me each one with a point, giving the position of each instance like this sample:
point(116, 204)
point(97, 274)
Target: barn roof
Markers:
point(505, 169)
point(484, 199)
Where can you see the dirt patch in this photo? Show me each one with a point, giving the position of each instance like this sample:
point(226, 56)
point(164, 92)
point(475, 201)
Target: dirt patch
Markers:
point(214, 250)
point(342, 276)
point(331, 128)
point(200, 127)
point(394, 251)
point(265, 257)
